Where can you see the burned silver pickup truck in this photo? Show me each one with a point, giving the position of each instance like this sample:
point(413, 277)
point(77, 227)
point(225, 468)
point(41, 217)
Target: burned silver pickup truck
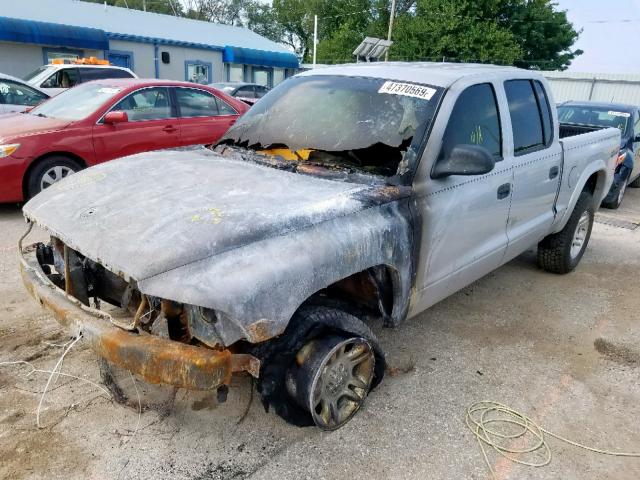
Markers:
point(346, 194)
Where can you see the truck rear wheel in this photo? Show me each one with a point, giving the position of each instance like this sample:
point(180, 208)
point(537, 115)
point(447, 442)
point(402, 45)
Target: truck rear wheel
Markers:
point(321, 369)
point(561, 252)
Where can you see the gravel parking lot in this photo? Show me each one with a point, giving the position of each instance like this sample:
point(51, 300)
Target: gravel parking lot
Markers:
point(563, 349)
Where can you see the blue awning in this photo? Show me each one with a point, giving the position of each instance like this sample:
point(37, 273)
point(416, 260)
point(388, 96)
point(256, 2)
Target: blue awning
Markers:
point(54, 34)
point(263, 58)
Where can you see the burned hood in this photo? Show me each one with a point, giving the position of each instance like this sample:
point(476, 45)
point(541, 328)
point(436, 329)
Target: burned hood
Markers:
point(154, 212)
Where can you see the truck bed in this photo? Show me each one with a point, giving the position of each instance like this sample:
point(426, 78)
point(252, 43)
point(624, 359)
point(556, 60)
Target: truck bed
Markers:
point(571, 129)
point(580, 149)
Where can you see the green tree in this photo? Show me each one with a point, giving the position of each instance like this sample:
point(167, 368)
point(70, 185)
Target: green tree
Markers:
point(527, 33)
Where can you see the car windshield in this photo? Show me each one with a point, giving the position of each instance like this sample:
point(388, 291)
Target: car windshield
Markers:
point(76, 103)
point(35, 73)
point(595, 116)
point(367, 124)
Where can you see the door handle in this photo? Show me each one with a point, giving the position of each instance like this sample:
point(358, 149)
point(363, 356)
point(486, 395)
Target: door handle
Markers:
point(169, 129)
point(553, 172)
point(504, 190)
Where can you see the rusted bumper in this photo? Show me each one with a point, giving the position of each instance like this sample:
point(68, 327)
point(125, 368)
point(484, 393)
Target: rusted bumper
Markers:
point(156, 359)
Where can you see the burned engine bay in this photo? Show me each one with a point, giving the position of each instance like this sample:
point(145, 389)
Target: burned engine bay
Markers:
point(92, 284)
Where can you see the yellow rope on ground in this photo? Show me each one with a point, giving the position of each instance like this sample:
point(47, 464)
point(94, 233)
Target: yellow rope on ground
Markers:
point(508, 426)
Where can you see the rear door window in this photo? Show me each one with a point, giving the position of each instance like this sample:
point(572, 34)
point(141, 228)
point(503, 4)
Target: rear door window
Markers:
point(261, 91)
point(545, 112)
point(474, 121)
point(246, 92)
point(88, 74)
point(196, 103)
point(146, 104)
point(224, 108)
point(526, 118)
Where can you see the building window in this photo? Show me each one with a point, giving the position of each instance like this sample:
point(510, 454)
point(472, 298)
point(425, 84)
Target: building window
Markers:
point(262, 76)
point(51, 54)
point(198, 72)
point(235, 73)
point(120, 58)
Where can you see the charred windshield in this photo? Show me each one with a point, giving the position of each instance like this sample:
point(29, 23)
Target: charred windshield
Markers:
point(368, 124)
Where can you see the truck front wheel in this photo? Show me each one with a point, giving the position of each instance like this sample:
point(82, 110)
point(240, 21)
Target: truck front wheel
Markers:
point(561, 252)
point(321, 369)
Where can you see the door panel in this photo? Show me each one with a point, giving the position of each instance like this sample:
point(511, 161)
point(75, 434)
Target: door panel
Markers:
point(201, 121)
point(537, 163)
point(463, 219)
point(152, 125)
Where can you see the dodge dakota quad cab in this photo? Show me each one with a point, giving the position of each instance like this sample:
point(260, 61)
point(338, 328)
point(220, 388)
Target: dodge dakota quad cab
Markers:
point(346, 194)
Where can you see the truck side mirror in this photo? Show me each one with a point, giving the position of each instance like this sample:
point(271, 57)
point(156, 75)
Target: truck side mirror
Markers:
point(464, 160)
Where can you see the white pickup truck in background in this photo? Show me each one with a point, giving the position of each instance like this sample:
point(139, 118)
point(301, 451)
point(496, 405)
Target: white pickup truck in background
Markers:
point(348, 192)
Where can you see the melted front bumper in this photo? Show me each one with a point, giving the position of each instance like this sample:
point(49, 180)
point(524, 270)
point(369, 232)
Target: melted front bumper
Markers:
point(156, 359)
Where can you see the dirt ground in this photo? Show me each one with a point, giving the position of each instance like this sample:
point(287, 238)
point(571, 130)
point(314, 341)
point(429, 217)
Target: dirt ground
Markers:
point(563, 349)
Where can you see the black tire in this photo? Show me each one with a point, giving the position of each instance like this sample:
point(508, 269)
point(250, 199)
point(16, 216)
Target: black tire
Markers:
point(635, 183)
point(278, 355)
point(554, 251)
point(37, 173)
point(617, 201)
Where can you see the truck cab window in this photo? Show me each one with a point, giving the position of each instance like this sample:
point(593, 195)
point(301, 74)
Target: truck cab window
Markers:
point(474, 121)
point(545, 112)
point(526, 118)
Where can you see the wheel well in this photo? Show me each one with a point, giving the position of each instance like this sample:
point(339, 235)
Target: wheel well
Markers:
point(595, 185)
point(37, 161)
point(369, 292)
point(590, 186)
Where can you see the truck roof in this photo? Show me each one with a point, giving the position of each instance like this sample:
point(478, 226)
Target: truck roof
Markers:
point(439, 74)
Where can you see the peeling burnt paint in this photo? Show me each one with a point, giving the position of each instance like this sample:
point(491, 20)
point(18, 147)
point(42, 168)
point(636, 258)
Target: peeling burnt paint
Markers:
point(279, 236)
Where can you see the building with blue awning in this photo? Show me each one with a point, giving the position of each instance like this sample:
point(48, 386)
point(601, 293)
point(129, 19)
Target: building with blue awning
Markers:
point(35, 32)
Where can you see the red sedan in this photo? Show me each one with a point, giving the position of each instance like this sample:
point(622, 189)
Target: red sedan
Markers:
point(103, 120)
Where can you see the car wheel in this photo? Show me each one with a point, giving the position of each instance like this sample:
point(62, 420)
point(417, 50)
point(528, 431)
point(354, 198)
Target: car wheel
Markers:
point(49, 171)
point(635, 183)
point(617, 201)
point(331, 377)
point(561, 252)
point(321, 369)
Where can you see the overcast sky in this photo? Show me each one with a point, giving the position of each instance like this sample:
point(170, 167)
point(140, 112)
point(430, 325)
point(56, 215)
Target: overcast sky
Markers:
point(609, 47)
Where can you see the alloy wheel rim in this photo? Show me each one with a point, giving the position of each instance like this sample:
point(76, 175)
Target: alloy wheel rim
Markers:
point(341, 383)
point(580, 235)
point(54, 175)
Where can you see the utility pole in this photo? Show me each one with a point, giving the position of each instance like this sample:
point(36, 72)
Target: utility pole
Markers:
point(393, 14)
point(144, 5)
point(315, 38)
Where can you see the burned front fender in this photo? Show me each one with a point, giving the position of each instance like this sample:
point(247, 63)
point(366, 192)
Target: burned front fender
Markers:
point(255, 289)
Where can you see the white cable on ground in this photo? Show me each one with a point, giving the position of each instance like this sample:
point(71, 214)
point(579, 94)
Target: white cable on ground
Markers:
point(53, 373)
point(504, 441)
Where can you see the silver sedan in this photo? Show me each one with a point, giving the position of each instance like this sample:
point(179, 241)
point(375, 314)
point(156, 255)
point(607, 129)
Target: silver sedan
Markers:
point(17, 96)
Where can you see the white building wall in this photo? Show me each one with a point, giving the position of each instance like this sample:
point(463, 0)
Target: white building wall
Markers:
point(19, 59)
point(143, 60)
point(601, 87)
